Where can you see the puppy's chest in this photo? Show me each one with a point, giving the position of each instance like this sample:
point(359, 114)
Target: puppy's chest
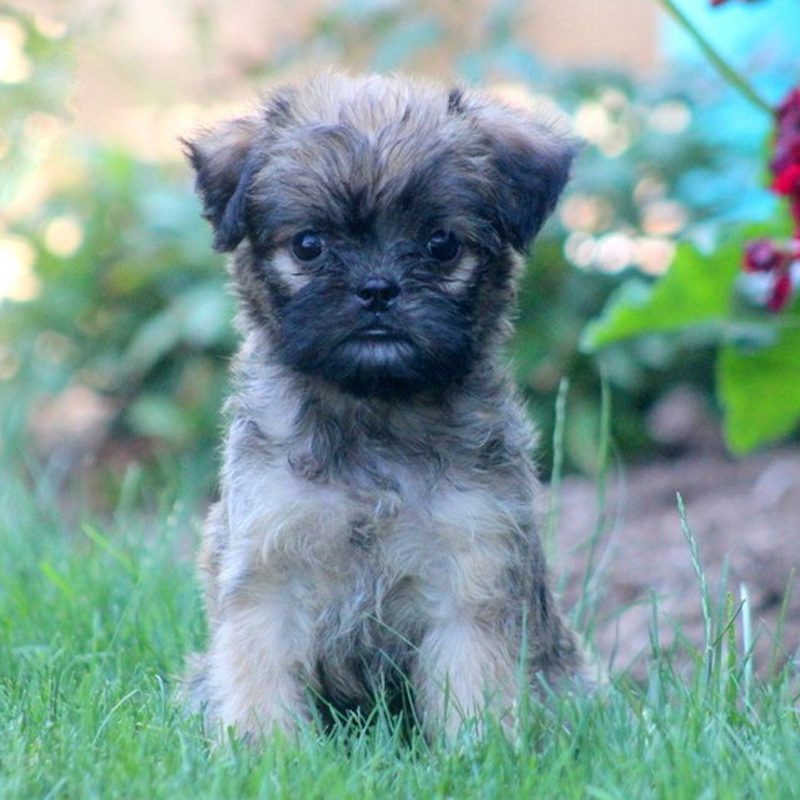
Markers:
point(394, 521)
point(385, 517)
point(397, 516)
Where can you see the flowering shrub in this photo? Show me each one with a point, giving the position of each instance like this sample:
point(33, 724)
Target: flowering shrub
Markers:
point(780, 262)
point(742, 294)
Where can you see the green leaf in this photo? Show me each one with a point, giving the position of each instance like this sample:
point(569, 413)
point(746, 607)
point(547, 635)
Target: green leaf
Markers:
point(694, 293)
point(760, 391)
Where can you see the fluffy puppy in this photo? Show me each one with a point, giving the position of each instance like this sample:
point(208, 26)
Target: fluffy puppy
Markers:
point(376, 531)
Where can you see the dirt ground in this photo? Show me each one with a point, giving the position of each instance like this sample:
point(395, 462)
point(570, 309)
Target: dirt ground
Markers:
point(745, 517)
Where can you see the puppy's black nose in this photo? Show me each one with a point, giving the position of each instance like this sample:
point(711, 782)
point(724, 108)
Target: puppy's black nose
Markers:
point(377, 293)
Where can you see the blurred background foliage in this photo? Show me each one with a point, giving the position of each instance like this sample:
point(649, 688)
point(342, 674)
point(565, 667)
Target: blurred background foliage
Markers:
point(115, 324)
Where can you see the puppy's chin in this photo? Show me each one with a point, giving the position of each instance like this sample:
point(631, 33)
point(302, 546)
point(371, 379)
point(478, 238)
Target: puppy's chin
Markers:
point(368, 366)
point(385, 367)
point(389, 365)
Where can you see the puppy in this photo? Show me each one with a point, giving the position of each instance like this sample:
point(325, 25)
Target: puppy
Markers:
point(376, 532)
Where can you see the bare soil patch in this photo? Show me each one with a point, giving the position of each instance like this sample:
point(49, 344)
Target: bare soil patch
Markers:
point(745, 517)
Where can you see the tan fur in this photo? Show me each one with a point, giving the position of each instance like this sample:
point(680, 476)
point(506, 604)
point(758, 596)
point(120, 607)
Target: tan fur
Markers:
point(355, 534)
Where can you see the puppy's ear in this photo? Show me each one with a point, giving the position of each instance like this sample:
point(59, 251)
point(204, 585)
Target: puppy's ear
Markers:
point(224, 162)
point(531, 163)
point(534, 166)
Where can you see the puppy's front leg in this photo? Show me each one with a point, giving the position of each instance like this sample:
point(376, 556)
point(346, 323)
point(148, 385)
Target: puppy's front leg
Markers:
point(463, 670)
point(259, 659)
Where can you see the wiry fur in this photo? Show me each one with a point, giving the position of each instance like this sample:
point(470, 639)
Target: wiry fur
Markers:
point(377, 515)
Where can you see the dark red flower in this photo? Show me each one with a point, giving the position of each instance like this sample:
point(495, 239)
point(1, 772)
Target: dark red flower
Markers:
point(763, 255)
point(787, 135)
point(785, 163)
point(781, 292)
point(775, 262)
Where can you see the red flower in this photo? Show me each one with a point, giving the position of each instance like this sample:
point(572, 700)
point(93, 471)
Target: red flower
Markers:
point(775, 262)
point(780, 293)
point(787, 138)
point(763, 255)
point(787, 181)
point(785, 163)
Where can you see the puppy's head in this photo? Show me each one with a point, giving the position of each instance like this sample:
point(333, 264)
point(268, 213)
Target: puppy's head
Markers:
point(377, 224)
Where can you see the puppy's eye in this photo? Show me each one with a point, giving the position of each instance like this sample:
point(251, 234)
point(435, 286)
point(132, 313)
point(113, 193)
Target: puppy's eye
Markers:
point(307, 245)
point(444, 246)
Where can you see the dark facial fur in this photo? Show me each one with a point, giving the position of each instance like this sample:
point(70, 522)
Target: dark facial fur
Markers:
point(379, 172)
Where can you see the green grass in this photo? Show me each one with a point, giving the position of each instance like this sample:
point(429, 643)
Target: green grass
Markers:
point(95, 621)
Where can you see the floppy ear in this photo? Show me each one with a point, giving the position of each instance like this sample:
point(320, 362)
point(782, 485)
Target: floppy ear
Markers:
point(534, 167)
point(224, 161)
point(531, 163)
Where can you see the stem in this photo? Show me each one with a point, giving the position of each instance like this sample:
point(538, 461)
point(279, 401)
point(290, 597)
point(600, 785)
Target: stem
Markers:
point(731, 75)
point(554, 506)
point(583, 612)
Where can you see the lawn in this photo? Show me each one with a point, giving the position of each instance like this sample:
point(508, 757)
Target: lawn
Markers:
point(95, 620)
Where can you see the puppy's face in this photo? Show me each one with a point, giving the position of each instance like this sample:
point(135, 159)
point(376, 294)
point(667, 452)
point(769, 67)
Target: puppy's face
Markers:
point(376, 224)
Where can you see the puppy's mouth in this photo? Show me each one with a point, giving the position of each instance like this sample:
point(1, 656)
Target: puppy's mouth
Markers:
point(377, 345)
point(379, 332)
point(377, 360)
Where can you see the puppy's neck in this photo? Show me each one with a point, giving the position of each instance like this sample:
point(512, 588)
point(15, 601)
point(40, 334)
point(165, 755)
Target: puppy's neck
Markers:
point(305, 403)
